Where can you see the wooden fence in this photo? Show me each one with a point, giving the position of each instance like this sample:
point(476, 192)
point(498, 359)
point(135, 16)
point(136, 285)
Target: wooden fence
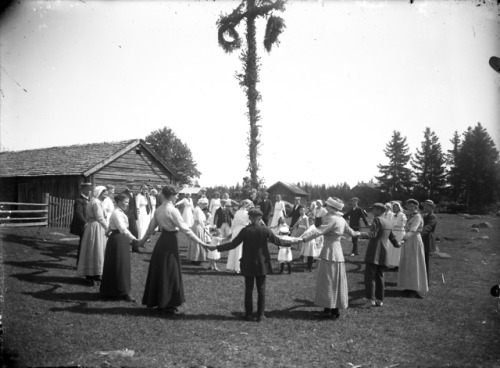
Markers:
point(15, 214)
point(60, 212)
point(53, 212)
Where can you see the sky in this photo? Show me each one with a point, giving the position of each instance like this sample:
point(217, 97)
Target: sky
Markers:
point(345, 75)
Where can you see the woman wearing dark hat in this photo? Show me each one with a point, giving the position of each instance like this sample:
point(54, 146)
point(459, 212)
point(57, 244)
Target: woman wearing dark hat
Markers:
point(412, 276)
point(331, 283)
point(164, 288)
point(116, 279)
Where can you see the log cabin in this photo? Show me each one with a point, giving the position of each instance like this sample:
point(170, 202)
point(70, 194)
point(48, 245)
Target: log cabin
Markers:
point(59, 171)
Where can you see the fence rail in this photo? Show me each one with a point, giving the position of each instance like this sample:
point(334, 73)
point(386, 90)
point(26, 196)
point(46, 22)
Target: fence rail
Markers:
point(12, 216)
point(60, 212)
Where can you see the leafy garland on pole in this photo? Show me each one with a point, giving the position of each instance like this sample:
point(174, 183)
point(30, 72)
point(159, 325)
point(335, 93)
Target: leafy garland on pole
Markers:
point(229, 39)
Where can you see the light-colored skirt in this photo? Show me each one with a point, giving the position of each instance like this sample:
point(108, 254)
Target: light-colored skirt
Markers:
point(91, 259)
point(312, 248)
point(187, 215)
point(331, 285)
point(233, 258)
point(214, 255)
point(225, 230)
point(196, 252)
point(143, 222)
point(412, 274)
point(394, 255)
point(285, 254)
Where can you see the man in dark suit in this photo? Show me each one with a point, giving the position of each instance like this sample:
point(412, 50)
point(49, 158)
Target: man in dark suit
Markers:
point(132, 213)
point(354, 215)
point(377, 255)
point(159, 199)
point(79, 220)
point(265, 206)
point(427, 234)
point(295, 211)
point(255, 260)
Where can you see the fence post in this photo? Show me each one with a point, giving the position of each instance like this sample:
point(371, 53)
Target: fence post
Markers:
point(47, 203)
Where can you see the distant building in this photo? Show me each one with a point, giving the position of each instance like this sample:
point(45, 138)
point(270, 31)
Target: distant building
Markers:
point(59, 171)
point(288, 192)
point(368, 193)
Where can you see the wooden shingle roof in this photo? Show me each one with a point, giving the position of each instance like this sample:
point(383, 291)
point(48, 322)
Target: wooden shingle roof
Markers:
point(80, 159)
point(291, 187)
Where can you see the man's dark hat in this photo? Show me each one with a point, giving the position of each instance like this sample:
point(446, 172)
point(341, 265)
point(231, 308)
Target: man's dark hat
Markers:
point(83, 185)
point(378, 205)
point(254, 212)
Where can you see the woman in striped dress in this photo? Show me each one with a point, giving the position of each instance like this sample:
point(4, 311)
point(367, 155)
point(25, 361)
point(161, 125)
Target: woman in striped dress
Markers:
point(331, 283)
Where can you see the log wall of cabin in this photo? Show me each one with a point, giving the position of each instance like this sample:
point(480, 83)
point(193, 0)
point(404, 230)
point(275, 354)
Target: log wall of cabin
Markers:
point(31, 189)
point(140, 168)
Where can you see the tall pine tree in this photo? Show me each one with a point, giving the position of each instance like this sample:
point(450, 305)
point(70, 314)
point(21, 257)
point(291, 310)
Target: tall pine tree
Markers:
point(453, 179)
point(477, 163)
point(429, 168)
point(396, 178)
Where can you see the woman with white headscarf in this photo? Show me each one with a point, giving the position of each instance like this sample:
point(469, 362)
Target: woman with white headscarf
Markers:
point(240, 220)
point(94, 239)
point(398, 229)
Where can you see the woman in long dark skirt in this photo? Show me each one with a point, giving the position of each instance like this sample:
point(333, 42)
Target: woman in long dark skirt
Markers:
point(164, 288)
point(116, 278)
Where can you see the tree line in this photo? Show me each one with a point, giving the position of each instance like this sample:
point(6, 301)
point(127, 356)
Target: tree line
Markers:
point(466, 177)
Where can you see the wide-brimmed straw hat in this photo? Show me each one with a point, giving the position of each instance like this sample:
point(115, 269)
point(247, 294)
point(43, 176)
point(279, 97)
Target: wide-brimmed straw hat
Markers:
point(430, 203)
point(334, 203)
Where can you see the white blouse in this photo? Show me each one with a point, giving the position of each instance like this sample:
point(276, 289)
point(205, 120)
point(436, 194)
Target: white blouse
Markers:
point(119, 221)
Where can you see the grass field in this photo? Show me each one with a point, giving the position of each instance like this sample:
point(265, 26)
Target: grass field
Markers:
point(52, 318)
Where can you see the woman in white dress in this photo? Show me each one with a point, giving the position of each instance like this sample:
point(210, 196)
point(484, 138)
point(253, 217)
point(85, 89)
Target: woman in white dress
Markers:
point(278, 212)
point(319, 213)
point(152, 198)
point(412, 275)
point(388, 214)
point(107, 204)
point(91, 261)
point(239, 222)
point(196, 253)
point(214, 206)
point(143, 211)
point(398, 229)
point(188, 211)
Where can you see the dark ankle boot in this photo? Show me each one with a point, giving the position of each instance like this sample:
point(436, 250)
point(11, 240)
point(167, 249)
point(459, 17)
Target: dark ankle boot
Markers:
point(309, 263)
point(282, 268)
point(289, 265)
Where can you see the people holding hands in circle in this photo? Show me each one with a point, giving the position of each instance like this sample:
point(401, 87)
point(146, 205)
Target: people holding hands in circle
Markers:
point(331, 283)
point(164, 288)
point(255, 262)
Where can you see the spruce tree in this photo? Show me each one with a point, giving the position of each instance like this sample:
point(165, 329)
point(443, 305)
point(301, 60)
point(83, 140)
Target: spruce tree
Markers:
point(429, 168)
point(478, 165)
point(396, 178)
point(453, 179)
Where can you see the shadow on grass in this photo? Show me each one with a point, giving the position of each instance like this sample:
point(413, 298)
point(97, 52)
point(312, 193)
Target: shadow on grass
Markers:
point(136, 310)
point(357, 297)
point(358, 266)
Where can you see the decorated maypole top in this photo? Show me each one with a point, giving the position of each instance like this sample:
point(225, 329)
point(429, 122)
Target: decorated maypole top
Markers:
point(230, 40)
